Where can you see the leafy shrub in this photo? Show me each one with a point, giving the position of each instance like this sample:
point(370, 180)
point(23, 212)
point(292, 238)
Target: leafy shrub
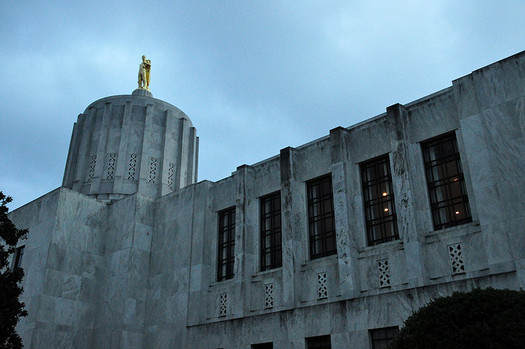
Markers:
point(478, 319)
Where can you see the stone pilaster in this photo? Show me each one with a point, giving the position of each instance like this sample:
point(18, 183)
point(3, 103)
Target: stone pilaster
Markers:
point(406, 220)
point(123, 157)
point(347, 249)
point(294, 229)
point(241, 274)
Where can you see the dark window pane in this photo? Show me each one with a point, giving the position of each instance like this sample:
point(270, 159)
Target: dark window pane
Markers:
point(382, 337)
point(19, 256)
point(226, 249)
point(321, 217)
point(271, 231)
point(320, 342)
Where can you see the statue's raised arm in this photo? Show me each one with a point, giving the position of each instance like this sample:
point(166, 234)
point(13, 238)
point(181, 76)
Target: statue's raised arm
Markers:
point(144, 73)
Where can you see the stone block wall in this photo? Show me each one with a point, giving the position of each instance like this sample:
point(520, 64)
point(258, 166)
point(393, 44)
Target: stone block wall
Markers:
point(471, 254)
point(63, 263)
point(142, 271)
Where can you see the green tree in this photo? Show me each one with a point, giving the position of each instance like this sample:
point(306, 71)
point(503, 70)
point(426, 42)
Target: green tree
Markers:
point(11, 309)
point(478, 319)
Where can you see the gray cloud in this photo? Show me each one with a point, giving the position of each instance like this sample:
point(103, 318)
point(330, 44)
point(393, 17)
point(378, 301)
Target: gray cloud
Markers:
point(254, 77)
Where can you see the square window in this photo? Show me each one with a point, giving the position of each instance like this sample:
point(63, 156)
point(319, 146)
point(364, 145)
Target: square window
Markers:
point(382, 337)
point(319, 342)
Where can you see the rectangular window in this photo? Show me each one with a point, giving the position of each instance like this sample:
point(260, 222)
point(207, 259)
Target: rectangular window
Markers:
point(382, 337)
point(319, 342)
point(271, 250)
point(19, 254)
point(380, 211)
point(226, 249)
point(321, 217)
point(268, 345)
point(446, 183)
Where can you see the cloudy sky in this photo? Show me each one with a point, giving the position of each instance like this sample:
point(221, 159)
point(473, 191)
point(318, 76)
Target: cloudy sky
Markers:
point(253, 76)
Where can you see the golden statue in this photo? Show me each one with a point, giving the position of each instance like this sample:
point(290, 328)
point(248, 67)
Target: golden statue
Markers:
point(144, 69)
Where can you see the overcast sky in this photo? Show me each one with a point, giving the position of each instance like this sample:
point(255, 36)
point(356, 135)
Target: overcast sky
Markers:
point(253, 76)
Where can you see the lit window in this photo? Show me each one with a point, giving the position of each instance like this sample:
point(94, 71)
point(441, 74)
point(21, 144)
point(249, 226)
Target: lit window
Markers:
point(271, 249)
point(382, 337)
point(380, 212)
point(321, 217)
point(446, 183)
point(226, 249)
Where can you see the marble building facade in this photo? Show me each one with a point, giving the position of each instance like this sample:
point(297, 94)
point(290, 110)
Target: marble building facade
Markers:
point(333, 243)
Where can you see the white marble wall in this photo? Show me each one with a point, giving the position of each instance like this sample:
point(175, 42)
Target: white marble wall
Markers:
point(63, 262)
point(142, 272)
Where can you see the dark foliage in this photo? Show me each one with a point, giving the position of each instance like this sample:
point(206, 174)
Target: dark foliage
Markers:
point(11, 309)
point(478, 319)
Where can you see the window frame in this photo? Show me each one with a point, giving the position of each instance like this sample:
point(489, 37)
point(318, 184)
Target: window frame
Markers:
point(273, 232)
point(18, 257)
point(318, 342)
point(444, 211)
point(227, 245)
point(322, 219)
point(385, 336)
point(380, 203)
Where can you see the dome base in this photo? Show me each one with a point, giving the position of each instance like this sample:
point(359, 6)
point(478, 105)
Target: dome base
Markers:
point(142, 92)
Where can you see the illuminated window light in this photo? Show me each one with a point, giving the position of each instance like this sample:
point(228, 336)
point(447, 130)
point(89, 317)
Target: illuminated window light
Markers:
point(386, 209)
point(385, 194)
point(457, 212)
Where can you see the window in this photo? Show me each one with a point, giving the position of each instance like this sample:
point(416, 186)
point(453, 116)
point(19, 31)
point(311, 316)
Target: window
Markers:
point(380, 211)
point(19, 254)
point(271, 250)
point(268, 345)
point(226, 250)
point(321, 217)
point(446, 183)
point(320, 342)
point(382, 337)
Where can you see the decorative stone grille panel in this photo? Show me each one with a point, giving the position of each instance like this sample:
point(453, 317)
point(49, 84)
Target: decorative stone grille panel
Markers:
point(152, 170)
point(322, 285)
point(132, 166)
point(111, 165)
point(384, 273)
point(92, 165)
point(457, 262)
point(171, 168)
point(223, 304)
point(268, 295)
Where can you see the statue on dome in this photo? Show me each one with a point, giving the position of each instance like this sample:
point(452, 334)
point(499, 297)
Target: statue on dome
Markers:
point(144, 70)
